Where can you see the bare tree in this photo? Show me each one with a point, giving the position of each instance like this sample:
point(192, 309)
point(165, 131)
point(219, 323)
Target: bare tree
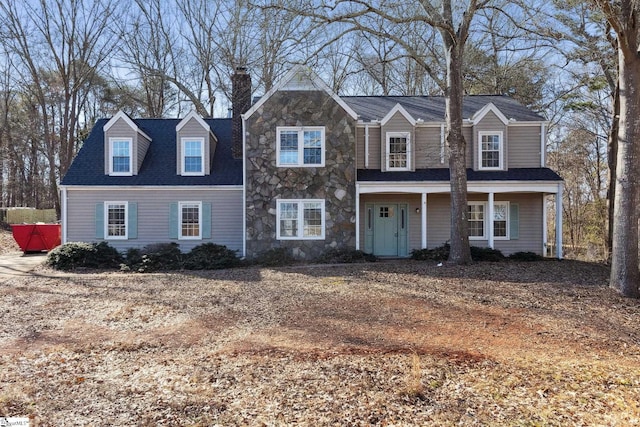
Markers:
point(71, 39)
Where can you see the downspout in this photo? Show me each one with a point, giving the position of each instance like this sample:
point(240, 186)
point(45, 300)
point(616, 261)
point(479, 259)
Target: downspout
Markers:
point(358, 216)
point(366, 146)
point(442, 143)
point(244, 189)
point(543, 145)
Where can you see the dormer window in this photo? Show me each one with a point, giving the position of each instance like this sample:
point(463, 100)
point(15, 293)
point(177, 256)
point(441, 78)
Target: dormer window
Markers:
point(192, 156)
point(120, 156)
point(491, 150)
point(398, 151)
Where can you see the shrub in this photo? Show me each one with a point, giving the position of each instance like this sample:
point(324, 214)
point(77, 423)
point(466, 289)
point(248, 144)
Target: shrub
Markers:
point(526, 256)
point(441, 253)
point(210, 256)
point(275, 257)
point(486, 254)
point(345, 256)
point(89, 255)
point(155, 257)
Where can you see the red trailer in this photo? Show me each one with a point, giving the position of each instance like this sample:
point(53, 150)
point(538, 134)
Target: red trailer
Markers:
point(36, 237)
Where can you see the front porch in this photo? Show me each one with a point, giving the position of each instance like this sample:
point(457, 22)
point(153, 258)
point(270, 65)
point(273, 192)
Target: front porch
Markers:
point(392, 219)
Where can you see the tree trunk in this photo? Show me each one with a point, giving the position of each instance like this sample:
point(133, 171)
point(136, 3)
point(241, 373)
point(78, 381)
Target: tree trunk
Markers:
point(624, 262)
point(612, 155)
point(460, 252)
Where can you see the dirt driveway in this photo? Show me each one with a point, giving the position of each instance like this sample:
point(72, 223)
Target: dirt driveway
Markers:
point(19, 264)
point(384, 344)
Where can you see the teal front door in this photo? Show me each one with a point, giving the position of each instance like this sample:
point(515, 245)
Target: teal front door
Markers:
point(389, 229)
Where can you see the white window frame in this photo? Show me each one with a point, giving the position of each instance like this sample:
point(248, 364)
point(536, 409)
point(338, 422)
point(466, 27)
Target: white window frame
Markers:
point(407, 136)
point(301, 203)
point(106, 221)
point(112, 141)
point(506, 205)
point(500, 150)
point(183, 143)
point(300, 158)
point(180, 235)
point(484, 220)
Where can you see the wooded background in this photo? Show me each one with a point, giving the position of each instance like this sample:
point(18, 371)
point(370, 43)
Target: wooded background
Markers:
point(66, 63)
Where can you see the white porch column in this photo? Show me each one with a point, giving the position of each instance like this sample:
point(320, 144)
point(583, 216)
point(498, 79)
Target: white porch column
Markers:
point(357, 217)
point(544, 225)
point(491, 216)
point(423, 218)
point(559, 220)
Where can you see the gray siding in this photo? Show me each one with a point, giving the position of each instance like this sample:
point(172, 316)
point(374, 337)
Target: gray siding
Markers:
point(467, 131)
point(490, 123)
point(193, 129)
point(428, 147)
point(375, 147)
point(397, 123)
point(439, 220)
point(524, 146)
point(143, 145)
point(153, 215)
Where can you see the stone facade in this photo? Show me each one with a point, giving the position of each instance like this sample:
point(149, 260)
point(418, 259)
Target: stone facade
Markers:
point(266, 182)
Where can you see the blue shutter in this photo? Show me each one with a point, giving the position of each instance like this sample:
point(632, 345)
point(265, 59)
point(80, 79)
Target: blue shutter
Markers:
point(99, 218)
point(173, 221)
point(514, 221)
point(132, 221)
point(206, 220)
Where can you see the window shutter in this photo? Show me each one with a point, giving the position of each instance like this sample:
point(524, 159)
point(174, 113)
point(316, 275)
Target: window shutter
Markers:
point(132, 221)
point(173, 221)
point(514, 221)
point(99, 217)
point(206, 220)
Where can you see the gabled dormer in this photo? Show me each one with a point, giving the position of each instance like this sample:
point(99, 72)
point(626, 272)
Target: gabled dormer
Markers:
point(125, 146)
point(490, 139)
point(397, 140)
point(195, 146)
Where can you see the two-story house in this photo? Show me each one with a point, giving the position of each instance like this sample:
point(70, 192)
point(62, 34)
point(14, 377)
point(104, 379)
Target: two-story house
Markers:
point(307, 169)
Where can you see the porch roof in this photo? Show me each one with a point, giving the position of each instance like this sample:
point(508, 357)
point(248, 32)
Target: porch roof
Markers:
point(442, 174)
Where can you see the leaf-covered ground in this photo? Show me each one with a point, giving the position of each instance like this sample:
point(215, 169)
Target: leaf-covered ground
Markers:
point(7, 243)
point(392, 343)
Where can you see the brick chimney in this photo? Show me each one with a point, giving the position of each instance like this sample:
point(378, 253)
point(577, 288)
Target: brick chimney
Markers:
point(240, 103)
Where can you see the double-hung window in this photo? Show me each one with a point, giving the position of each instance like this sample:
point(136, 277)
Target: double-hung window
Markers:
point(190, 220)
point(192, 156)
point(478, 220)
point(300, 146)
point(490, 150)
point(120, 156)
point(116, 214)
point(300, 219)
point(398, 151)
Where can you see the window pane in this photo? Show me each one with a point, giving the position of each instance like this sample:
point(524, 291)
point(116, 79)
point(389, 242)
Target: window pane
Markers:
point(288, 147)
point(190, 220)
point(500, 220)
point(120, 159)
point(116, 220)
point(476, 220)
point(312, 219)
point(192, 156)
point(398, 152)
point(288, 219)
point(490, 150)
point(312, 147)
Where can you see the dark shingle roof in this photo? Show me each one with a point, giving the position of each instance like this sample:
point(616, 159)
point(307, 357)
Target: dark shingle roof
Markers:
point(432, 108)
point(159, 165)
point(442, 174)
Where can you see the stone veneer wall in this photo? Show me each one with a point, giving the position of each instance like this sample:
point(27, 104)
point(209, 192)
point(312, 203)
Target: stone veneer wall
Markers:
point(335, 182)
